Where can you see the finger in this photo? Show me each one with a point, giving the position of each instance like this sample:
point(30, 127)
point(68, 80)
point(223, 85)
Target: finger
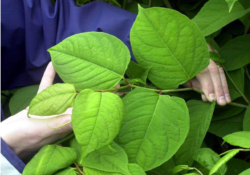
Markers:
point(216, 81)
point(204, 98)
point(194, 82)
point(224, 85)
point(206, 83)
point(48, 77)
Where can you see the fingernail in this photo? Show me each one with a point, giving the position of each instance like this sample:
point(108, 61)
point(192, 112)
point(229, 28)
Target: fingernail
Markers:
point(211, 97)
point(222, 100)
point(228, 99)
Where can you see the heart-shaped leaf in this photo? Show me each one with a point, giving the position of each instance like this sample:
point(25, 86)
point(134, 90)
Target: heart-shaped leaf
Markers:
point(154, 127)
point(169, 42)
point(96, 119)
point(49, 160)
point(92, 60)
point(53, 100)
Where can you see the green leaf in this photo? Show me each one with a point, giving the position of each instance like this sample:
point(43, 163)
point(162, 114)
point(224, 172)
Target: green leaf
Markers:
point(200, 117)
point(227, 126)
point(49, 160)
point(225, 112)
point(241, 139)
point(230, 4)
point(22, 98)
point(67, 171)
point(105, 159)
point(235, 166)
point(90, 171)
point(135, 169)
point(96, 119)
point(223, 161)
point(179, 168)
point(56, 99)
point(93, 60)
point(246, 172)
point(149, 134)
point(246, 121)
point(159, 38)
point(208, 158)
point(236, 52)
point(238, 78)
point(135, 71)
point(214, 15)
point(165, 168)
point(77, 147)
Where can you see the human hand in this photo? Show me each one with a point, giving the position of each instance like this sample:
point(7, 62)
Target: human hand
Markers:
point(213, 83)
point(25, 136)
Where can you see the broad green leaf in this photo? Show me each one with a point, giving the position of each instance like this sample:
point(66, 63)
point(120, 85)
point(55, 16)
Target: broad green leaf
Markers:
point(208, 158)
point(230, 4)
point(200, 117)
point(235, 166)
point(90, 171)
point(179, 168)
point(227, 126)
point(236, 53)
point(96, 119)
point(22, 98)
point(159, 38)
point(106, 159)
point(77, 147)
point(230, 154)
point(149, 134)
point(56, 99)
point(225, 112)
point(135, 169)
point(93, 60)
point(214, 15)
point(246, 121)
point(165, 168)
point(135, 71)
point(67, 171)
point(236, 82)
point(246, 172)
point(49, 160)
point(241, 139)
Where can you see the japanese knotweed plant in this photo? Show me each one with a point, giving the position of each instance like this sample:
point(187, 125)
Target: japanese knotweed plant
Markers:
point(141, 126)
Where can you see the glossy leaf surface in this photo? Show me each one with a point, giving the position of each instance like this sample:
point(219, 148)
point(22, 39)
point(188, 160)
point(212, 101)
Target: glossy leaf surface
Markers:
point(49, 160)
point(112, 159)
point(96, 119)
point(159, 38)
point(214, 15)
point(200, 117)
point(55, 99)
point(236, 52)
point(92, 60)
point(149, 134)
point(208, 158)
point(241, 139)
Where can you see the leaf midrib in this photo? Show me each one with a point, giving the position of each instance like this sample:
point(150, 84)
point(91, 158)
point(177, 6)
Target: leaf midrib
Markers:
point(89, 62)
point(166, 46)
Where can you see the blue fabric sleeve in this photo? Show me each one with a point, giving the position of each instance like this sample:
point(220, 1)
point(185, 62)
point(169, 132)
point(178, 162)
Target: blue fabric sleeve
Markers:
point(9, 154)
point(30, 27)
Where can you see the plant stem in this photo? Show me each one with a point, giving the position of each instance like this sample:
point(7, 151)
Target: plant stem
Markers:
point(65, 138)
point(237, 104)
point(247, 73)
point(193, 168)
point(79, 169)
point(149, 3)
point(245, 98)
point(167, 3)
